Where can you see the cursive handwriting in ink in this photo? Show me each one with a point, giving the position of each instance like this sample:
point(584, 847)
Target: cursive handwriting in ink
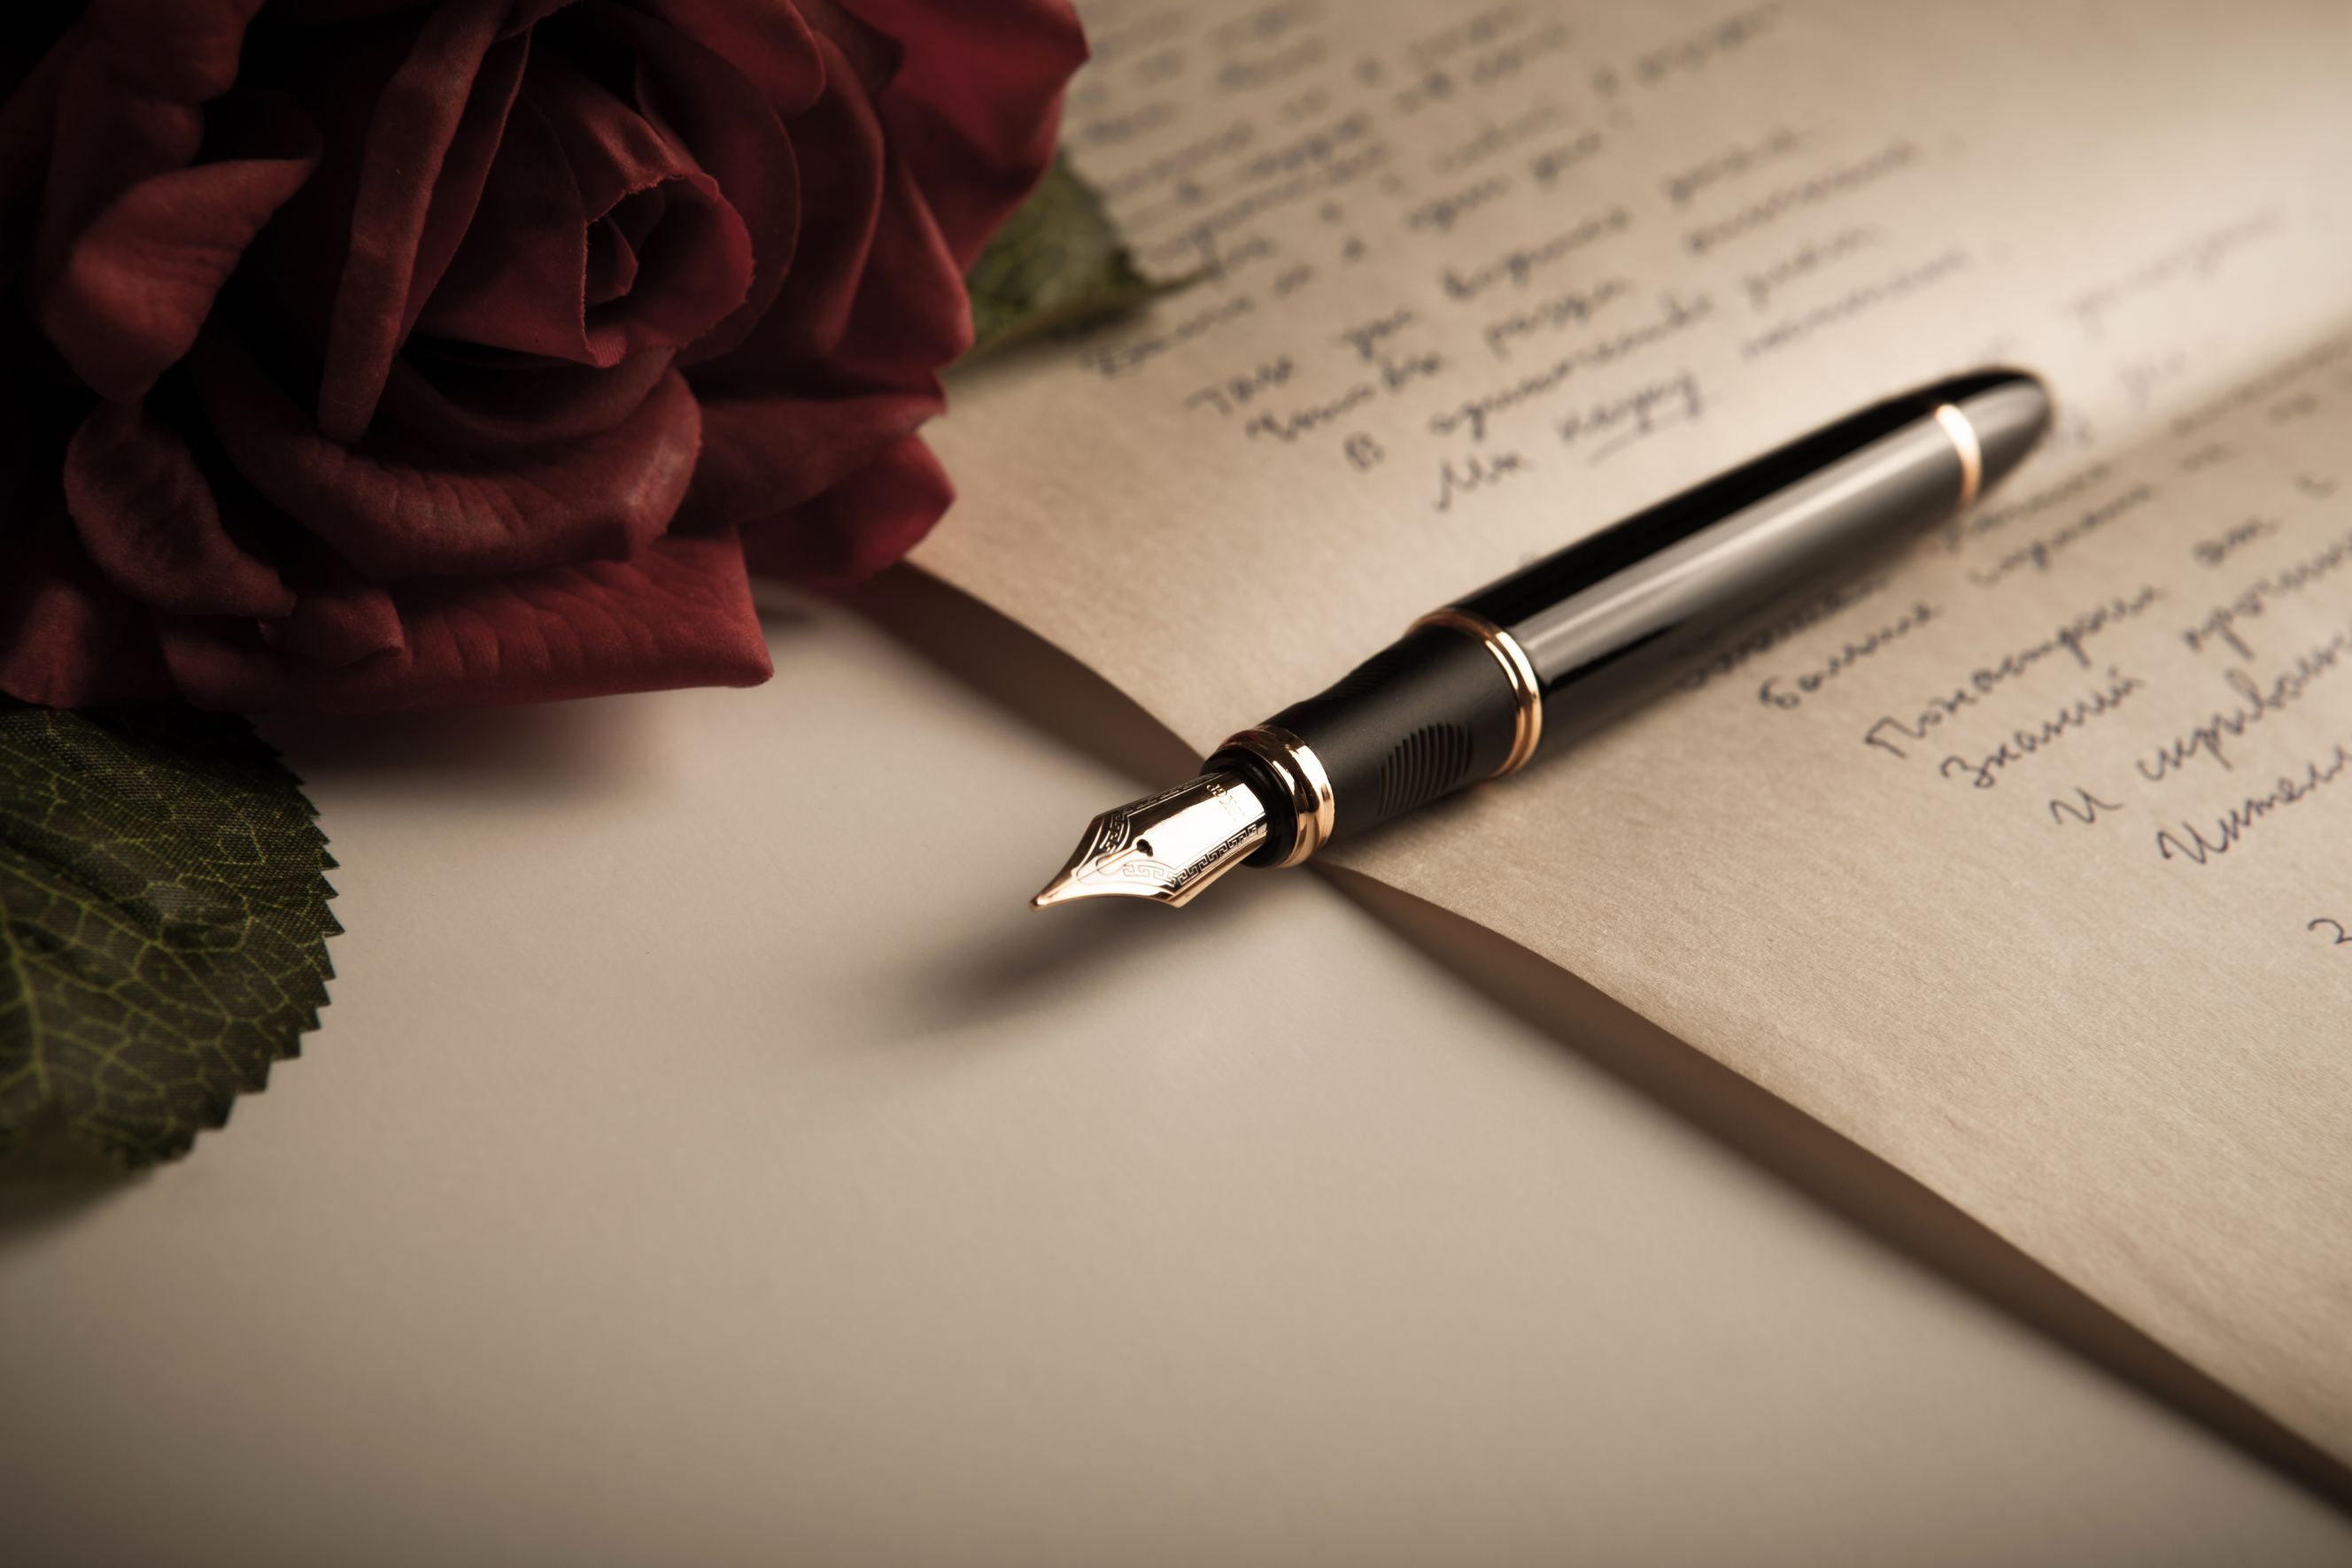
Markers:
point(2231, 828)
point(1856, 302)
point(1479, 471)
point(2264, 387)
point(1366, 337)
point(2083, 811)
point(1801, 195)
point(2039, 553)
point(1808, 258)
point(1288, 426)
point(1236, 391)
point(1790, 690)
point(1570, 307)
point(2213, 738)
point(1675, 314)
point(1991, 519)
point(2230, 540)
point(1984, 771)
point(1632, 416)
point(2252, 600)
point(1519, 263)
point(2071, 637)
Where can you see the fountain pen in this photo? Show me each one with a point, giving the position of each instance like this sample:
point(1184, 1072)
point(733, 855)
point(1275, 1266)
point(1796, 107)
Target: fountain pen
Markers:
point(1473, 690)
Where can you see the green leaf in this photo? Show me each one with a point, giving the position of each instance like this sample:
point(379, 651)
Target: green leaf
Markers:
point(162, 923)
point(1055, 265)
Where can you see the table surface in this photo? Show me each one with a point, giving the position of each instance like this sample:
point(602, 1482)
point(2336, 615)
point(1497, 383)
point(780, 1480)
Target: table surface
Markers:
point(708, 1157)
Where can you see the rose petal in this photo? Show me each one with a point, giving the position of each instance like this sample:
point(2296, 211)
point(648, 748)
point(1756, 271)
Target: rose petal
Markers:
point(769, 46)
point(340, 10)
point(395, 515)
point(976, 104)
point(465, 168)
point(186, 50)
point(695, 268)
point(28, 125)
point(131, 108)
point(338, 621)
point(613, 248)
point(515, 281)
point(678, 614)
point(841, 202)
point(308, 250)
point(861, 372)
point(148, 518)
point(402, 197)
point(859, 527)
point(524, 15)
point(705, 102)
point(871, 57)
point(911, 315)
point(67, 638)
point(509, 408)
point(573, 155)
point(137, 285)
point(765, 454)
point(874, 299)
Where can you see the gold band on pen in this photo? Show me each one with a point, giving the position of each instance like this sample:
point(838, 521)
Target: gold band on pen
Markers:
point(1963, 437)
point(1306, 786)
point(1527, 690)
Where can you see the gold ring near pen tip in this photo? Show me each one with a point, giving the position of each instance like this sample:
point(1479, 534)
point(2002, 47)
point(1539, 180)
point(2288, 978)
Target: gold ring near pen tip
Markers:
point(1527, 691)
point(1963, 441)
point(1306, 786)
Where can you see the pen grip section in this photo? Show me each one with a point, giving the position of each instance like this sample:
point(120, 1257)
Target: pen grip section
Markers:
point(1429, 713)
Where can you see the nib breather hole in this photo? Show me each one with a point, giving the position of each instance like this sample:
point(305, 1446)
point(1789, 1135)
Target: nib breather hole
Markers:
point(1143, 846)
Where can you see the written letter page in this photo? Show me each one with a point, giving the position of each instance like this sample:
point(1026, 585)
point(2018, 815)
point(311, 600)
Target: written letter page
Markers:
point(2026, 859)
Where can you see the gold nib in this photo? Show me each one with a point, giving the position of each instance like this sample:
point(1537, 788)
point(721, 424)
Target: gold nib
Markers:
point(1166, 847)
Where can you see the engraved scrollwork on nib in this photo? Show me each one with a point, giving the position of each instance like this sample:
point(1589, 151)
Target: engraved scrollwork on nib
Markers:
point(1166, 847)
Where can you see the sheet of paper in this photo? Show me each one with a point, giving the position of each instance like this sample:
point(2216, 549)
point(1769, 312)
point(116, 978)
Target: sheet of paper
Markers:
point(2027, 862)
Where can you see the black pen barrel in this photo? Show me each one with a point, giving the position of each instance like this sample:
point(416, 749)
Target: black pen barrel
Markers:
point(1651, 589)
point(1571, 641)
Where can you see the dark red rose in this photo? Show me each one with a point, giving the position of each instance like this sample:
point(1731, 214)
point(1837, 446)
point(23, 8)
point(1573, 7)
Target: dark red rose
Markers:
point(411, 353)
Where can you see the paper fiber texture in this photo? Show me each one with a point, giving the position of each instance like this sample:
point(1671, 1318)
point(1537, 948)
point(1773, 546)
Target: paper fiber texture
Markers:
point(2027, 861)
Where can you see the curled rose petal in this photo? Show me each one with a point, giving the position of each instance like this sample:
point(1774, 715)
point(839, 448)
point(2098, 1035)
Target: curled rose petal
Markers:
point(469, 408)
point(976, 104)
point(149, 519)
point(708, 103)
point(341, 10)
point(678, 614)
point(765, 454)
point(401, 198)
point(865, 333)
point(859, 527)
point(584, 187)
point(67, 638)
point(515, 282)
point(875, 300)
point(132, 107)
point(768, 46)
point(469, 514)
point(338, 621)
point(136, 286)
point(912, 309)
point(28, 121)
point(841, 197)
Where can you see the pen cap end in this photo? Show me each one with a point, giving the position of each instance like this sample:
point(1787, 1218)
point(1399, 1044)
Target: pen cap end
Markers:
point(2008, 417)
